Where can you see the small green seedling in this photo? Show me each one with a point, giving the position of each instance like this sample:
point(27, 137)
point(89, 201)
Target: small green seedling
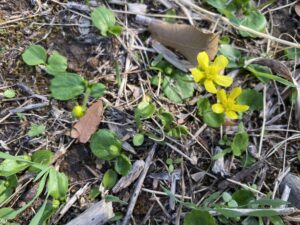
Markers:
point(172, 163)
point(105, 20)
point(176, 85)
point(46, 176)
point(65, 85)
point(36, 130)
point(106, 145)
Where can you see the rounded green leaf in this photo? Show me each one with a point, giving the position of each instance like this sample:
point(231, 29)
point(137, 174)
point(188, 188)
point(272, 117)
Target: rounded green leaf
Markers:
point(252, 98)
point(109, 179)
point(104, 19)
point(67, 86)
point(232, 54)
point(213, 119)
point(123, 165)
point(42, 157)
point(57, 63)
point(138, 139)
point(226, 196)
point(203, 105)
point(9, 93)
point(197, 217)
point(145, 110)
point(35, 55)
point(256, 21)
point(97, 90)
point(105, 144)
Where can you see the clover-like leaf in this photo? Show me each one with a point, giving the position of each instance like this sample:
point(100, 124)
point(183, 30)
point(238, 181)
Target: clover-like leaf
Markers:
point(35, 55)
point(105, 144)
point(67, 86)
point(123, 165)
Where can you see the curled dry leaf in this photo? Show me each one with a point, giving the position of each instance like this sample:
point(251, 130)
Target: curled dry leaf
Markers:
point(186, 39)
point(88, 124)
point(282, 70)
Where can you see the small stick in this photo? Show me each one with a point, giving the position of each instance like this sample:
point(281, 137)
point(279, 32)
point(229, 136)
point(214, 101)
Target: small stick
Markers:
point(29, 107)
point(139, 184)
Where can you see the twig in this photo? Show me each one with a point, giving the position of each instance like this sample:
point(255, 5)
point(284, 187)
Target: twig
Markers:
point(29, 107)
point(264, 122)
point(139, 184)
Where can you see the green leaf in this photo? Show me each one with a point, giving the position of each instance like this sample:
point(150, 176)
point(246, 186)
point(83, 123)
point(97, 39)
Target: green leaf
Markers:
point(36, 130)
point(178, 87)
point(109, 179)
point(57, 184)
point(236, 213)
point(97, 90)
point(226, 196)
point(9, 93)
point(197, 217)
point(166, 119)
point(256, 21)
point(13, 214)
point(232, 204)
point(104, 19)
point(269, 202)
point(240, 141)
point(37, 219)
point(10, 167)
point(4, 212)
point(105, 144)
point(112, 198)
point(252, 98)
point(292, 53)
point(57, 64)
point(94, 193)
point(221, 154)
point(243, 197)
point(232, 54)
point(117, 216)
point(68, 86)
point(256, 70)
point(178, 131)
point(145, 110)
point(122, 165)
point(43, 157)
point(276, 220)
point(35, 55)
point(213, 119)
point(138, 139)
point(203, 105)
point(250, 221)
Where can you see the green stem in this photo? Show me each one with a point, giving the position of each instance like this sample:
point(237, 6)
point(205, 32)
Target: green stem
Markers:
point(86, 98)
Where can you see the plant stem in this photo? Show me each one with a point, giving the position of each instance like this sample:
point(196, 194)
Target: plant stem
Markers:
point(86, 98)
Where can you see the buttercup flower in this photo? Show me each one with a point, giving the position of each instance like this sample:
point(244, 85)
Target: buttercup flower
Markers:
point(209, 73)
point(228, 103)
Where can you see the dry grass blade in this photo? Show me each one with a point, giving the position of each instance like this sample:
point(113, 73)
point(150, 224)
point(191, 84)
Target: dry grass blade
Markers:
point(186, 39)
point(88, 124)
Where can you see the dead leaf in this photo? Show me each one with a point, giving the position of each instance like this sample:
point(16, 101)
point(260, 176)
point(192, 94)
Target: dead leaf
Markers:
point(88, 124)
point(297, 9)
point(186, 39)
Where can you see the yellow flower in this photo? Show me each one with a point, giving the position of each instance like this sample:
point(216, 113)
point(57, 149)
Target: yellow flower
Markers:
point(209, 73)
point(228, 103)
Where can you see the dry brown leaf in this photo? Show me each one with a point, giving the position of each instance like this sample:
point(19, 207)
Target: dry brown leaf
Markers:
point(186, 39)
point(88, 124)
point(297, 9)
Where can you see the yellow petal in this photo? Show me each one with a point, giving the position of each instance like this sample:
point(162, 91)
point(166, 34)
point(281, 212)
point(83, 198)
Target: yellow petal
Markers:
point(224, 81)
point(232, 115)
point(210, 86)
point(239, 108)
point(197, 74)
point(221, 96)
point(235, 93)
point(203, 60)
point(217, 108)
point(220, 62)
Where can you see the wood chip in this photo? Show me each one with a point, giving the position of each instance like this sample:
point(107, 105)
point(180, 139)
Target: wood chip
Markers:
point(89, 123)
